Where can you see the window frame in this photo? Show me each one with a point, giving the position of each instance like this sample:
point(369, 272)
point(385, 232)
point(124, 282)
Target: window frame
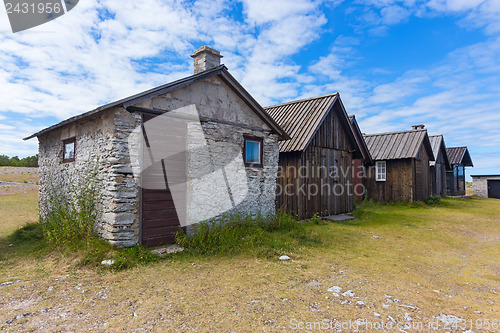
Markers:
point(261, 143)
point(378, 164)
point(65, 142)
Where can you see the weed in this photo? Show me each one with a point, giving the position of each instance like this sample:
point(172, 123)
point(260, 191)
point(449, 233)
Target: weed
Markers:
point(238, 233)
point(31, 232)
point(433, 200)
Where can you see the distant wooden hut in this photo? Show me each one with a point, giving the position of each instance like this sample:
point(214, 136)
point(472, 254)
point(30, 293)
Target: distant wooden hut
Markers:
point(459, 158)
point(359, 165)
point(401, 171)
point(439, 166)
point(315, 166)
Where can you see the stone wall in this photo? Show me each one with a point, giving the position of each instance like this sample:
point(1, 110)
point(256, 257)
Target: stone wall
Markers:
point(480, 185)
point(101, 147)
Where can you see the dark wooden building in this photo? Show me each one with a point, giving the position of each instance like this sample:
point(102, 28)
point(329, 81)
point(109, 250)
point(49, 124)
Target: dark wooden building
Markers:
point(401, 171)
point(459, 158)
point(315, 165)
point(359, 165)
point(439, 166)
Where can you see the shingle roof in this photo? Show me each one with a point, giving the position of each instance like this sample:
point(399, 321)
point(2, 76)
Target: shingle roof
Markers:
point(436, 141)
point(171, 86)
point(459, 155)
point(301, 118)
point(398, 145)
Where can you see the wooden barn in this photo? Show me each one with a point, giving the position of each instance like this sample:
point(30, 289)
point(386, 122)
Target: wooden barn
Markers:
point(401, 171)
point(459, 158)
point(440, 166)
point(359, 165)
point(315, 165)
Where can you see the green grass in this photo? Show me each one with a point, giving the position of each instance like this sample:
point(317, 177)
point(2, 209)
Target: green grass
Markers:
point(264, 236)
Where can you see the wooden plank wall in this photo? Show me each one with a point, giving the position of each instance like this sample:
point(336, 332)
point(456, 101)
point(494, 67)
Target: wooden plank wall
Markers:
point(329, 150)
point(399, 185)
point(422, 175)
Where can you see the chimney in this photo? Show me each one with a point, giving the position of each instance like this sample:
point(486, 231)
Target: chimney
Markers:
point(205, 58)
point(418, 127)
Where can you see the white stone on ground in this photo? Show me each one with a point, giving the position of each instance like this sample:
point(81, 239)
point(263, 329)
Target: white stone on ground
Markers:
point(334, 289)
point(449, 319)
point(348, 293)
point(107, 262)
point(174, 248)
point(284, 258)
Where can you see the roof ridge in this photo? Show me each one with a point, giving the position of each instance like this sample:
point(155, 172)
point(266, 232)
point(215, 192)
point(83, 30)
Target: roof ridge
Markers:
point(301, 100)
point(395, 132)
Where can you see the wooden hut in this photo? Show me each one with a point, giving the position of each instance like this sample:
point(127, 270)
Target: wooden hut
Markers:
point(315, 165)
point(359, 165)
point(401, 171)
point(459, 158)
point(439, 166)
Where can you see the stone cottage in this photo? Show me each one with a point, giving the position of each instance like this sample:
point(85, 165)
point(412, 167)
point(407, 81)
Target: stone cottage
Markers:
point(169, 157)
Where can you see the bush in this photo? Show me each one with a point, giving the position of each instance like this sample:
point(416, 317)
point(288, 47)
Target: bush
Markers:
point(72, 213)
point(433, 200)
point(237, 233)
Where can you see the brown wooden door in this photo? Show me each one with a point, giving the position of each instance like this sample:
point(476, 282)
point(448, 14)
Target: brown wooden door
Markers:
point(160, 220)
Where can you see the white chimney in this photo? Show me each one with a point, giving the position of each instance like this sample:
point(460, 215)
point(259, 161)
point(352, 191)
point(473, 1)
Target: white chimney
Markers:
point(205, 58)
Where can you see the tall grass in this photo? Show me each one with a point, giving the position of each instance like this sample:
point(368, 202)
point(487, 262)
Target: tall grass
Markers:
point(238, 233)
point(72, 211)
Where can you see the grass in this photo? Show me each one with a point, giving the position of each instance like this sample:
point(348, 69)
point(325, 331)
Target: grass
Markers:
point(441, 258)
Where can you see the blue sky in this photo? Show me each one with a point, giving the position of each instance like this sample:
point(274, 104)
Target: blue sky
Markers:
point(394, 62)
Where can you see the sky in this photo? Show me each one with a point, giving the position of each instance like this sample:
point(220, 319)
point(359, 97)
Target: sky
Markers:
point(395, 63)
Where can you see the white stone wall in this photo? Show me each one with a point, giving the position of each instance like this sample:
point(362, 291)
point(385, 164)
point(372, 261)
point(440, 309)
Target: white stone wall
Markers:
point(100, 146)
point(480, 185)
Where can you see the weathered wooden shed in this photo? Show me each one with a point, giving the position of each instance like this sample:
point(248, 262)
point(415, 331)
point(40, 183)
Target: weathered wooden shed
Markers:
point(401, 171)
point(315, 165)
point(439, 166)
point(459, 158)
point(359, 165)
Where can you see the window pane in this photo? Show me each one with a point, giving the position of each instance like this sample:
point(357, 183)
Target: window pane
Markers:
point(252, 154)
point(69, 150)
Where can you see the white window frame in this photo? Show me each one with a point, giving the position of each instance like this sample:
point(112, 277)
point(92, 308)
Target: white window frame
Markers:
point(381, 171)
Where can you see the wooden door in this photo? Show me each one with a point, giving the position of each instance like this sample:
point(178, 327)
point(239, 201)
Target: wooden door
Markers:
point(160, 220)
point(494, 189)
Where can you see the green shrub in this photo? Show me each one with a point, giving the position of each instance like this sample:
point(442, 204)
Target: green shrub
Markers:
point(237, 233)
point(433, 200)
point(72, 212)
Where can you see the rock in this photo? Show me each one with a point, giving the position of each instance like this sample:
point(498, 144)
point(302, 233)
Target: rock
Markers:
point(407, 317)
point(344, 302)
point(174, 248)
point(361, 303)
point(391, 319)
point(336, 295)
point(50, 288)
point(9, 321)
point(348, 293)
point(334, 289)
point(376, 314)
point(284, 258)
point(11, 245)
point(8, 283)
point(108, 262)
point(449, 319)
point(385, 306)
point(377, 237)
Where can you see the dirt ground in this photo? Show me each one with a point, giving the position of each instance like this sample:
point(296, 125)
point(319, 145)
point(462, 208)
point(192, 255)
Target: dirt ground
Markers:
point(397, 268)
point(16, 180)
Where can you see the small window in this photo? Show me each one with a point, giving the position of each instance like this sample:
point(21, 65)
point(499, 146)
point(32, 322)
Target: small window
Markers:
point(381, 171)
point(253, 151)
point(69, 150)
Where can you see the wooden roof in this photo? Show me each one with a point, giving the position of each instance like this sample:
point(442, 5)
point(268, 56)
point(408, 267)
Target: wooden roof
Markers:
point(220, 71)
point(398, 145)
point(367, 158)
point(459, 155)
point(437, 144)
point(301, 119)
